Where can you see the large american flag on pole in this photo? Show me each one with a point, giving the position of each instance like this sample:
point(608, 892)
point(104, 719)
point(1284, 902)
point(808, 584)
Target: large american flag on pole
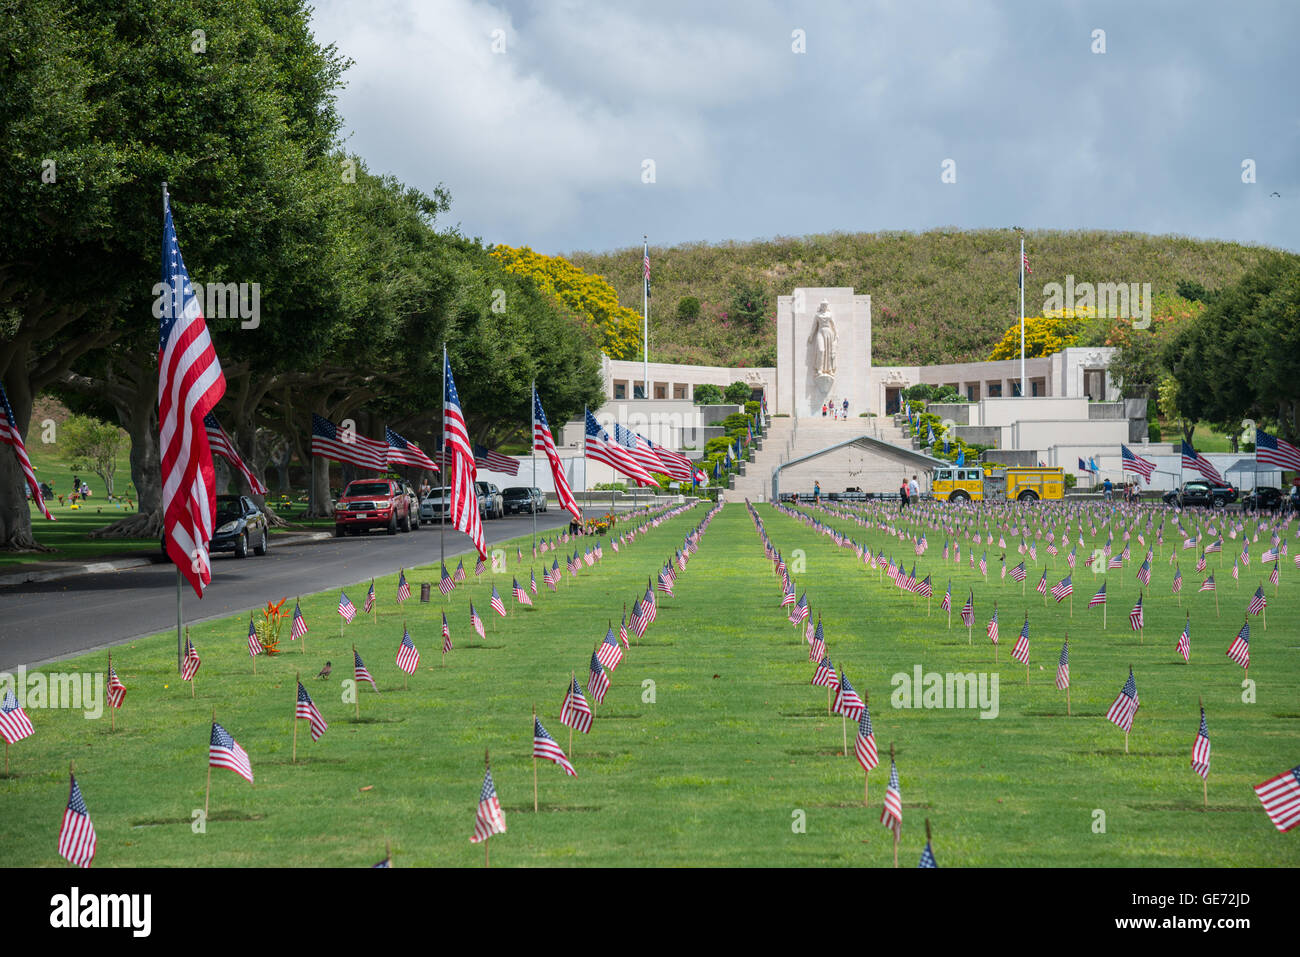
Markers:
point(599, 446)
point(9, 436)
point(1270, 450)
point(403, 452)
point(190, 383)
point(328, 443)
point(1136, 463)
point(464, 498)
point(544, 442)
point(486, 458)
point(221, 444)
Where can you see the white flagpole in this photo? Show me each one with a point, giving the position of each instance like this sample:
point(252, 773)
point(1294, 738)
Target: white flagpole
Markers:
point(1022, 317)
point(645, 321)
point(180, 654)
point(532, 429)
point(446, 488)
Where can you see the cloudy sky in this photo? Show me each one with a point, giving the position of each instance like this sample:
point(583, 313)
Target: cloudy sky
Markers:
point(540, 117)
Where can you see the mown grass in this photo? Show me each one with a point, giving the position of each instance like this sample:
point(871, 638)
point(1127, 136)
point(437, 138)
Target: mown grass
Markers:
point(714, 768)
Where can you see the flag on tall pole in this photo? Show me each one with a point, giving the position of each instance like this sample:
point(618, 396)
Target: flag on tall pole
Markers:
point(463, 498)
point(9, 435)
point(544, 442)
point(221, 444)
point(645, 319)
point(190, 383)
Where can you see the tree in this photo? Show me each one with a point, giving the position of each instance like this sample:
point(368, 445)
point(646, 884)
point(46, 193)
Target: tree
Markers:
point(738, 393)
point(688, 309)
point(1044, 335)
point(92, 445)
point(708, 394)
point(748, 303)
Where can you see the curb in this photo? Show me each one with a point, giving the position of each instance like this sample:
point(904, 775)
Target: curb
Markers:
point(122, 564)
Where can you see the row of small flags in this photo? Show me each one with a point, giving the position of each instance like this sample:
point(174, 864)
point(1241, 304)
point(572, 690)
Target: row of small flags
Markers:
point(77, 838)
point(1280, 802)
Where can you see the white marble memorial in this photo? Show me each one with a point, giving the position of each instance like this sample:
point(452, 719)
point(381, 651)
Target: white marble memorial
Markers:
point(823, 351)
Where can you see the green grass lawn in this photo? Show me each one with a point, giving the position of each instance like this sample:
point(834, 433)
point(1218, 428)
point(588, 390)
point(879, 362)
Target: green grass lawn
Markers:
point(728, 753)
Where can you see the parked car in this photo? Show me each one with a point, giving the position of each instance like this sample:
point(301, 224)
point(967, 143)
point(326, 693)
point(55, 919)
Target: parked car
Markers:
point(413, 505)
point(240, 526)
point(1263, 497)
point(372, 503)
point(519, 498)
point(1206, 493)
point(490, 504)
point(434, 504)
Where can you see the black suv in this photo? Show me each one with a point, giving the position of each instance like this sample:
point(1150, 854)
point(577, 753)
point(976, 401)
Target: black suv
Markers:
point(1264, 497)
point(1206, 493)
point(518, 498)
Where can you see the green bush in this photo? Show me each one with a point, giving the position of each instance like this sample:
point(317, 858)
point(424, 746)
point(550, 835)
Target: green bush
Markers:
point(1153, 431)
point(752, 408)
point(1070, 480)
point(688, 309)
point(737, 420)
point(609, 487)
point(738, 393)
point(716, 446)
point(708, 395)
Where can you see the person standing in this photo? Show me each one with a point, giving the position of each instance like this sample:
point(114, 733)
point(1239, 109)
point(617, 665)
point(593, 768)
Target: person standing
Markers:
point(915, 489)
point(902, 494)
point(817, 492)
point(846, 408)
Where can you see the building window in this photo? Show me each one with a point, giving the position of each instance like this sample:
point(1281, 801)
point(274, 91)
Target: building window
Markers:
point(1015, 389)
point(679, 392)
point(659, 392)
point(995, 390)
point(620, 390)
point(972, 393)
point(1035, 388)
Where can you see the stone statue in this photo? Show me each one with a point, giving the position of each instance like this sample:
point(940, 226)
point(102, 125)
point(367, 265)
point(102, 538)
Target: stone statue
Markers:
point(823, 342)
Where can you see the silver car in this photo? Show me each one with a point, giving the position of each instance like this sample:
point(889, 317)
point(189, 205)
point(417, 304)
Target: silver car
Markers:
point(434, 504)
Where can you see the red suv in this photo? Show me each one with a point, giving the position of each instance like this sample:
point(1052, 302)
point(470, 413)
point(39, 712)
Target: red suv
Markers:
point(372, 503)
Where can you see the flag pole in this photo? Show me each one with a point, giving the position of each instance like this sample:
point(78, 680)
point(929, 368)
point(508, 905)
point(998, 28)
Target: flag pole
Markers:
point(293, 759)
point(297, 604)
point(356, 684)
point(179, 654)
point(1205, 785)
point(192, 678)
point(207, 793)
point(1067, 684)
point(1022, 316)
point(866, 775)
point(531, 416)
point(112, 719)
point(534, 759)
point(645, 321)
point(442, 466)
point(487, 841)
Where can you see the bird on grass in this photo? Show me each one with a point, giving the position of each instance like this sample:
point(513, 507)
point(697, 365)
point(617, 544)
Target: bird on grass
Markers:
point(325, 672)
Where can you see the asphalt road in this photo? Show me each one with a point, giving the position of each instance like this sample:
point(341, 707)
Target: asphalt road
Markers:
point(45, 621)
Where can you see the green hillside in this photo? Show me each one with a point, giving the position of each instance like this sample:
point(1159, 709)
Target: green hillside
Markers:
point(939, 296)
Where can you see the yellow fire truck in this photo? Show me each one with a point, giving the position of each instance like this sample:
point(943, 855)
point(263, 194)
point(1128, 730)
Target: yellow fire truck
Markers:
point(1022, 483)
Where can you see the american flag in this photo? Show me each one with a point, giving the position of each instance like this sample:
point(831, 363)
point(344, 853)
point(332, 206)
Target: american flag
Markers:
point(1070, 559)
point(370, 597)
point(464, 497)
point(927, 857)
point(446, 635)
point(575, 712)
point(358, 450)
point(190, 663)
point(1135, 616)
point(1063, 667)
point(552, 575)
point(865, 745)
point(1135, 463)
point(254, 643)
point(1239, 650)
point(892, 814)
point(665, 585)
point(638, 620)
point(1125, 705)
point(1280, 796)
point(984, 565)
point(968, 611)
point(76, 834)
point(1194, 460)
point(475, 621)
point(403, 452)
point(1201, 749)
point(1041, 587)
point(924, 588)
point(14, 723)
point(992, 629)
point(544, 747)
point(403, 587)
point(1185, 640)
point(1019, 573)
point(1144, 572)
point(1021, 650)
point(494, 461)
point(946, 604)
point(9, 435)
point(1270, 450)
point(489, 819)
point(645, 269)
point(225, 752)
point(346, 608)
point(408, 656)
point(847, 701)
point(610, 651)
point(497, 604)
point(1024, 262)
point(817, 643)
point(1177, 585)
point(544, 442)
point(190, 383)
point(307, 709)
point(221, 444)
point(116, 690)
point(622, 632)
point(299, 627)
point(359, 671)
point(649, 607)
point(521, 596)
point(458, 575)
point(1273, 575)
point(446, 584)
point(825, 673)
point(598, 681)
point(480, 567)
point(599, 446)
point(1257, 601)
point(1207, 585)
point(1099, 598)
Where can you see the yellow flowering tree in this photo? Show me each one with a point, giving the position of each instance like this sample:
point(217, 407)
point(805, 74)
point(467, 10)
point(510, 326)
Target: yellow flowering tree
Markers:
point(589, 297)
point(1054, 330)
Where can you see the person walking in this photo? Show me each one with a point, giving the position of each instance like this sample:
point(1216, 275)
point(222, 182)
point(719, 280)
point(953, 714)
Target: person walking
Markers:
point(1107, 489)
point(902, 494)
point(914, 489)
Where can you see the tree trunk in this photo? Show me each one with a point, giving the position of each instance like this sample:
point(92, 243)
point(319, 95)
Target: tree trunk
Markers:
point(139, 417)
point(15, 514)
point(321, 506)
